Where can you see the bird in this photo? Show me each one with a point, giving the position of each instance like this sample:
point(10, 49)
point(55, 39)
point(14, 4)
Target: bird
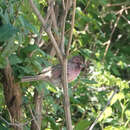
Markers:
point(53, 74)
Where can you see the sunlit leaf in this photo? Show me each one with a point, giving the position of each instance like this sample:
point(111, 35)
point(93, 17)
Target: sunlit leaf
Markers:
point(114, 128)
point(106, 113)
point(127, 112)
point(116, 97)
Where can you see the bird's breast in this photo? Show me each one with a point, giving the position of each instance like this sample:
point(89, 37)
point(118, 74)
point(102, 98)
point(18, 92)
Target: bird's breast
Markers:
point(73, 72)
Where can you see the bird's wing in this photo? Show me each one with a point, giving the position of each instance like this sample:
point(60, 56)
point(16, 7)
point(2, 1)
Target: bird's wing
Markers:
point(56, 71)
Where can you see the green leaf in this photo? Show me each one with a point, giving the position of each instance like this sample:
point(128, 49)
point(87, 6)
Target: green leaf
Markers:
point(86, 52)
point(82, 125)
point(53, 123)
point(116, 97)
point(7, 31)
point(26, 69)
point(26, 128)
point(107, 113)
point(127, 113)
point(115, 70)
point(3, 127)
point(37, 65)
point(115, 128)
point(109, 17)
point(14, 59)
point(88, 81)
point(27, 26)
point(41, 85)
point(51, 88)
point(3, 61)
point(28, 49)
point(42, 52)
point(9, 48)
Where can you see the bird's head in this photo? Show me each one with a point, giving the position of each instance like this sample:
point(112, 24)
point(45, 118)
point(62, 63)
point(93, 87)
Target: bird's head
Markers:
point(78, 60)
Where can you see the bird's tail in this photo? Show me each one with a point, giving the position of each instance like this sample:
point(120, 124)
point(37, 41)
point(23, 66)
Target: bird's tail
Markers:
point(31, 78)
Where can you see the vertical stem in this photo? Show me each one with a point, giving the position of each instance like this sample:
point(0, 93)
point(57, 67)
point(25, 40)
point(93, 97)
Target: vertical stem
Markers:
point(13, 96)
point(72, 27)
point(66, 96)
point(38, 98)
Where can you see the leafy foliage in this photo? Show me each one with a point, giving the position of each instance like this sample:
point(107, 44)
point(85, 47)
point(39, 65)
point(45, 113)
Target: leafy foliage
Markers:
point(94, 23)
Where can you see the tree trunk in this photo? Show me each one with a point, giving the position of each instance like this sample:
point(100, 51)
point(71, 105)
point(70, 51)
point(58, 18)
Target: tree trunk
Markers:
point(38, 98)
point(13, 97)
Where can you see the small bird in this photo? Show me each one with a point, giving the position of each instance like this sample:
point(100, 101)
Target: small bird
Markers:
point(53, 74)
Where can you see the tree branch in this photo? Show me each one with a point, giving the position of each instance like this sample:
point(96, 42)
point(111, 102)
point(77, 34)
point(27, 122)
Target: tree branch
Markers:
point(66, 96)
point(55, 45)
point(55, 29)
point(108, 103)
point(118, 4)
point(47, 29)
point(37, 13)
point(35, 126)
point(20, 125)
point(62, 58)
point(72, 27)
point(63, 31)
point(113, 30)
point(66, 6)
point(53, 17)
point(101, 89)
point(115, 25)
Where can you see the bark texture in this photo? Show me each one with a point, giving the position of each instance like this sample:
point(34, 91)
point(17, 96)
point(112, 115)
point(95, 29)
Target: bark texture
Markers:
point(13, 97)
point(38, 98)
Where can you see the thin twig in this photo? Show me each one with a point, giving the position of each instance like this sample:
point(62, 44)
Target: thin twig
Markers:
point(118, 4)
point(121, 11)
point(113, 30)
point(72, 27)
point(39, 38)
point(37, 13)
point(53, 17)
point(128, 21)
point(11, 124)
point(34, 118)
point(47, 29)
point(48, 13)
point(101, 89)
point(63, 4)
point(54, 22)
point(65, 11)
point(108, 103)
point(67, 5)
point(63, 31)
point(88, 2)
point(20, 125)
point(55, 45)
point(55, 29)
